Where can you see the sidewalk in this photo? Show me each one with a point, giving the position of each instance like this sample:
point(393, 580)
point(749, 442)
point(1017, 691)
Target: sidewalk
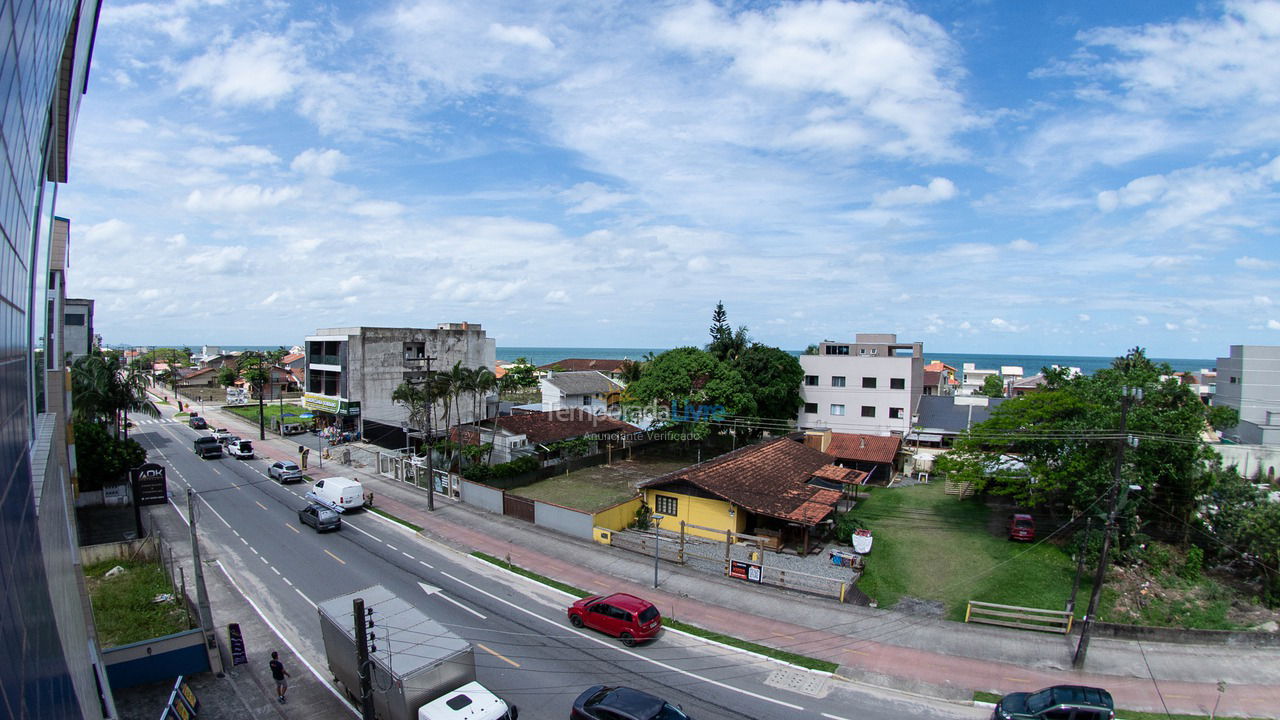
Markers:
point(880, 647)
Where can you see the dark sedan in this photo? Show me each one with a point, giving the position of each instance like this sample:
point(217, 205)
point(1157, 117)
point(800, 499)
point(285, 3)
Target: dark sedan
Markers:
point(604, 702)
point(197, 422)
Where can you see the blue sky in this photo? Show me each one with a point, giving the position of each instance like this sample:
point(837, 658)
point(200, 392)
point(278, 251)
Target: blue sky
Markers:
point(1007, 177)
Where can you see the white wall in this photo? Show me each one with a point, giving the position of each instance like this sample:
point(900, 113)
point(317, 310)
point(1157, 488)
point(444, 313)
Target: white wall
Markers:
point(853, 396)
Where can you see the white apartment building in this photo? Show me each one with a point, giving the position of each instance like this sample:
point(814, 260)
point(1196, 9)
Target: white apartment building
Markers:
point(871, 385)
point(972, 377)
point(1249, 381)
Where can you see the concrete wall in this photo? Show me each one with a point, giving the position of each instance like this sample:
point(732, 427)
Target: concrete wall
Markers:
point(619, 516)
point(144, 549)
point(562, 519)
point(700, 511)
point(375, 366)
point(1233, 638)
point(482, 496)
point(1250, 459)
point(1249, 381)
point(853, 396)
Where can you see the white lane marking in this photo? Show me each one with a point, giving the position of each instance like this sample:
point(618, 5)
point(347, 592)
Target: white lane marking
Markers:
point(323, 680)
point(181, 514)
point(304, 597)
point(624, 651)
point(215, 512)
point(265, 561)
point(393, 547)
point(434, 591)
point(366, 532)
point(406, 554)
point(423, 563)
point(837, 717)
point(276, 571)
point(254, 549)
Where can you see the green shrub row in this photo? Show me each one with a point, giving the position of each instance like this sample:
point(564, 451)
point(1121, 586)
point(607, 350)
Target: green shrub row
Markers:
point(480, 473)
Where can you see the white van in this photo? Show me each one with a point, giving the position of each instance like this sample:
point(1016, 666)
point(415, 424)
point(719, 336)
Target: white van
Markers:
point(338, 493)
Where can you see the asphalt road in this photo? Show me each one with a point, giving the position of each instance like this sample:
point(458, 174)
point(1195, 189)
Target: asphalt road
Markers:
point(526, 651)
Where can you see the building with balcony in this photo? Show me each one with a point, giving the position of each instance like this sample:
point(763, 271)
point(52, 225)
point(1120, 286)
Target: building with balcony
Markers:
point(353, 371)
point(871, 385)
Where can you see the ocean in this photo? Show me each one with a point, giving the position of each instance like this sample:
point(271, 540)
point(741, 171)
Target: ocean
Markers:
point(1030, 364)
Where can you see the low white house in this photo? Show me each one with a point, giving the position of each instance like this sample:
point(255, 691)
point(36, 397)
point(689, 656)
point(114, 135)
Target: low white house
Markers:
point(589, 390)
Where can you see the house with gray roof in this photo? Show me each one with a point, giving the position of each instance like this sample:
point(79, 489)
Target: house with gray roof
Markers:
point(941, 418)
point(588, 390)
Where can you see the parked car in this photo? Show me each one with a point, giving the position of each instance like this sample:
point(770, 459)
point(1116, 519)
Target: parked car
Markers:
point(604, 702)
point(620, 615)
point(286, 471)
point(242, 449)
point(1060, 702)
point(206, 447)
point(320, 517)
point(338, 493)
point(1022, 527)
point(221, 434)
point(197, 422)
point(227, 440)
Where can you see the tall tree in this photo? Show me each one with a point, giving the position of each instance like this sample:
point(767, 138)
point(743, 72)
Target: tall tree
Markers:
point(688, 379)
point(774, 377)
point(992, 386)
point(726, 343)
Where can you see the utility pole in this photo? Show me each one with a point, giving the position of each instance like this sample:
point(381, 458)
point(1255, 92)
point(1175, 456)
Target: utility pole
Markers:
point(431, 450)
point(1075, 583)
point(1113, 501)
point(362, 658)
point(202, 594)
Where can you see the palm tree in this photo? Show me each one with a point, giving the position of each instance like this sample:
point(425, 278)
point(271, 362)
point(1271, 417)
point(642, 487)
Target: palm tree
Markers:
point(133, 394)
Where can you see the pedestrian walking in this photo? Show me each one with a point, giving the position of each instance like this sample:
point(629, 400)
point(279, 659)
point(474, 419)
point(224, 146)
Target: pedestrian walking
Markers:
point(304, 452)
point(280, 675)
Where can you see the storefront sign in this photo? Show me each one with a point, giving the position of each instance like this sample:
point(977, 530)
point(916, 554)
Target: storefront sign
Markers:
point(323, 403)
point(745, 571)
point(149, 486)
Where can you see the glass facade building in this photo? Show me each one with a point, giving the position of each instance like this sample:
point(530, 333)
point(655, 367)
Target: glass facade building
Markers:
point(49, 667)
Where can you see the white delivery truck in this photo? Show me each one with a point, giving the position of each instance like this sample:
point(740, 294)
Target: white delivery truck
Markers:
point(420, 670)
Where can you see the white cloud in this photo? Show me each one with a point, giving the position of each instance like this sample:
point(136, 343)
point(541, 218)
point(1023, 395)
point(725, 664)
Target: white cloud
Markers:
point(939, 189)
point(1083, 317)
point(316, 162)
point(1142, 320)
point(217, 260)
point(230, 156)
point(600, 289)
point(556, 297)
point(378, 208)
point(258, 69)
point(239, 198)
point(1171, 326)
point(1141, 191)
point(1262, 300)
point(1273, 324)
point(1253, 263)
point(589, 197)
point(1022, 245)
point(519, 35)
point(1003, 325)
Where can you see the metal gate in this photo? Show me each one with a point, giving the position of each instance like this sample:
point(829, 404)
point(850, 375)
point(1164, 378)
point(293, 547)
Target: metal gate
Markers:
point(517, 507)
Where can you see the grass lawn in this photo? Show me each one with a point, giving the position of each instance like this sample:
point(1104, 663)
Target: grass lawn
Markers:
point(122, 606)
point(269, 411)
point(595, 488)
point(932, 546)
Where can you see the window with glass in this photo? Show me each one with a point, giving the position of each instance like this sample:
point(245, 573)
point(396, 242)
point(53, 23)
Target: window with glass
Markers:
point(837, 381)
point(868, 411)
point(897, 383)
point(811, 380)
point(869, 383)
point(895, 413)
point(837, 410)
point(666, 505)
point(811, 407)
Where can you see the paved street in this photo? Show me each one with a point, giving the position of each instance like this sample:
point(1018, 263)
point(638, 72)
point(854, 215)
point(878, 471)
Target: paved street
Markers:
point(527, 652)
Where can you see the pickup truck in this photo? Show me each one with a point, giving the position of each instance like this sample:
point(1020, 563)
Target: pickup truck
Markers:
point(221, 435)
point(207, 447)
point(240, 449)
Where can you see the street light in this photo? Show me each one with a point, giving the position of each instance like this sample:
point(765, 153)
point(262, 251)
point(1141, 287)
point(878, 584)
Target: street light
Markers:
point(656, 519)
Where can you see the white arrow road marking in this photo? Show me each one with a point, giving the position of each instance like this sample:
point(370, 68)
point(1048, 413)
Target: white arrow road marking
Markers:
point(433, 590)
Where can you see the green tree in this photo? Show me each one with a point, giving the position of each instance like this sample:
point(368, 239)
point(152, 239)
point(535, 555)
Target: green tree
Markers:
point(1059, 445)
point(1223, 417)
point(520, 376)
point(1263, 531)
point(102, 459)
point(775, 377)
point(726, 343)
point(227, 375)
point(631, 371)
point(992, 386)
point(688, 377)
point(811, 350)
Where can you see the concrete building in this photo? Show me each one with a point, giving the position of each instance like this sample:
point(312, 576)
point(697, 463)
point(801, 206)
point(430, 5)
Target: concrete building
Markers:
point(51, 666)
point(972, 377)
point(77, 331)
point(871, 385)
point(352, 372)
point(1249, 381)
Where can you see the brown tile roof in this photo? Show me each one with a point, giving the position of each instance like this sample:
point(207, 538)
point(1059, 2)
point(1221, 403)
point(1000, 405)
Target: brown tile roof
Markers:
point(938, 366)
point(848, 476)
point(579, 364)
point(556, 425)
point(291, 357)
point(865, 448)
point(768, 479)
point(499, 371)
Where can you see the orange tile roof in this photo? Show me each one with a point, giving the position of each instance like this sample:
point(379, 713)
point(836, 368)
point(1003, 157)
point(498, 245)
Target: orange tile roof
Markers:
point(866, 448)
point(770, 479)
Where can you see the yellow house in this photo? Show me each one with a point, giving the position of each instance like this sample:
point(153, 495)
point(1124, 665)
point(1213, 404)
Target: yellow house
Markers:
point(779, 488)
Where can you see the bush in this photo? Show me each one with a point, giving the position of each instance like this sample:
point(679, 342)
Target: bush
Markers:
point(1156, 556)
point(1193, 565)
point(845, 524)
point(501, 471)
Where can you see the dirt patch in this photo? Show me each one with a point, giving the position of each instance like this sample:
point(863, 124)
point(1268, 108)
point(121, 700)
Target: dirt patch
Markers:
point(1215, 601)
point(595, 488)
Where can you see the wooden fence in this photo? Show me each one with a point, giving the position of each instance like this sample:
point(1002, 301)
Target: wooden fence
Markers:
point(955, 487)
point(1014, 616)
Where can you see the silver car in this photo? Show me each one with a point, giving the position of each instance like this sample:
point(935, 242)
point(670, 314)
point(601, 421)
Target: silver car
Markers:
point(320, 517)
point(285, 471)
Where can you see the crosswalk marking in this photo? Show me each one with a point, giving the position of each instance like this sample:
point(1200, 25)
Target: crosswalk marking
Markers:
point(156, 421)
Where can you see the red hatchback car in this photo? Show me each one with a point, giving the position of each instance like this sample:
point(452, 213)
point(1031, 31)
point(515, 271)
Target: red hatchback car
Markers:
point(1022, 527)
point(620, 615)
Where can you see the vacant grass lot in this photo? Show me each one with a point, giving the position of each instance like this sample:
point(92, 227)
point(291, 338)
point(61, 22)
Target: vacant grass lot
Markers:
point(596, 488)
point(932, 546)
point(269, 411)
point(122, 606)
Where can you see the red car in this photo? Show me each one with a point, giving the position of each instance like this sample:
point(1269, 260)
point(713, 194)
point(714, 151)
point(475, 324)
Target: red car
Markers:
point(1022, 527)
point(620, 615)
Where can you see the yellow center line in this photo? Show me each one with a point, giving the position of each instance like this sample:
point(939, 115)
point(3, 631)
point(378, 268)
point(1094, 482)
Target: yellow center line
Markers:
point(255, 502)
point(293, 528)
point(498, 655)
point(335, 557)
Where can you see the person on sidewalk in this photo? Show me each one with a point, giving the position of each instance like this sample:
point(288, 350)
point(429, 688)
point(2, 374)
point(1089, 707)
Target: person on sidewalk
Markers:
point(279, 674)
